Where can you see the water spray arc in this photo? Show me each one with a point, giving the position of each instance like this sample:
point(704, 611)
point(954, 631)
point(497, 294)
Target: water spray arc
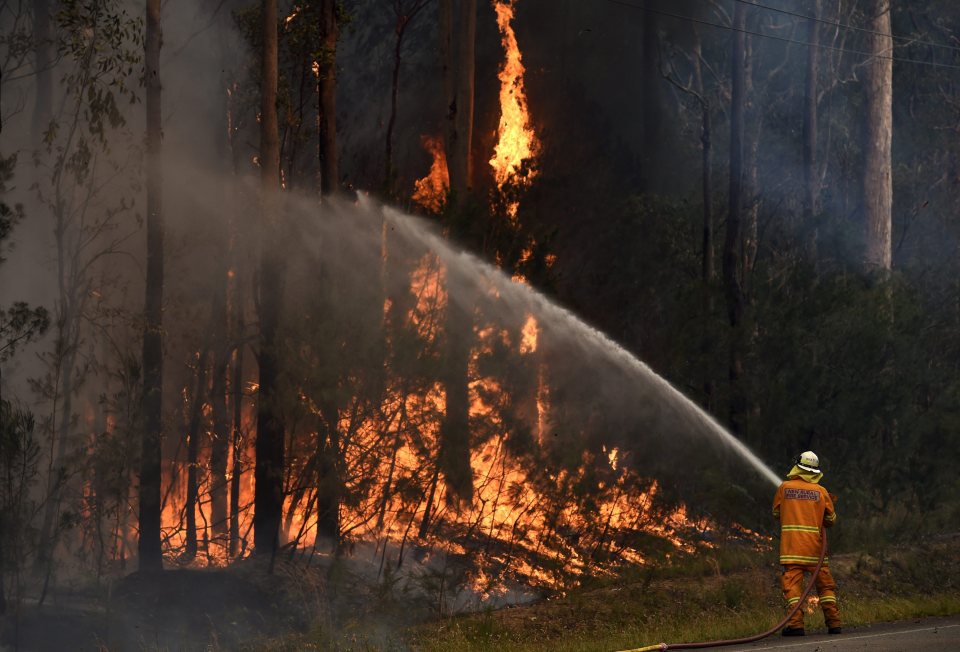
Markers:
point(522, 299)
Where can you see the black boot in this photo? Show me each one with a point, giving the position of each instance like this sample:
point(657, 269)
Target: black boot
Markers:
point(835, 630)
point(794, 631)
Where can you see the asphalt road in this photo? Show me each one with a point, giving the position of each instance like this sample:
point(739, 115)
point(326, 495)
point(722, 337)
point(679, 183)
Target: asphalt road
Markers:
point(926, 634)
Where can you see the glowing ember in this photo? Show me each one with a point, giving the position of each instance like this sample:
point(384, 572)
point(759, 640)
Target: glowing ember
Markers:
point(430, 192)
point(293, 16)
point(516, 141)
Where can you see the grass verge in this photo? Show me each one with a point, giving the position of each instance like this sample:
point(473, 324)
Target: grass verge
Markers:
point(708, 597)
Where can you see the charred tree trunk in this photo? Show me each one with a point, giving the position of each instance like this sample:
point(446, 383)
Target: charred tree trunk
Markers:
point(328, 480)
point(235, 471)
point(733, 241)
point(459, 87)
point(268, 488)
point(193, 449)
point(811, 167)
point(235, 291)
point(428, 508)
point(151, 556)
point(327, 92)
point(454, 446)
point(454, 450)
point(877, 174)
point(221, 431)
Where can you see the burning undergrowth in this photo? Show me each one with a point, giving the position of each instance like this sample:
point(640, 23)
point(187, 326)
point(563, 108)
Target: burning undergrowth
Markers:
point(567, 452)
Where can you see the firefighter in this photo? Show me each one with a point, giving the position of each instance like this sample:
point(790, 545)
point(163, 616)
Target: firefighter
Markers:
point(803, 506)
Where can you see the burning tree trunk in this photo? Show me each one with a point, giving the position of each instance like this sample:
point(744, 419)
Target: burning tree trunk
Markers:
point(151, 557)
point(733, 242)
point(268, 492)
point(877, 173)
point(327, 92)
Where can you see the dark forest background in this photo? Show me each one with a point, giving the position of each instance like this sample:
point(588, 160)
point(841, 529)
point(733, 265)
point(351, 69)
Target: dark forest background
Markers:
point(758, 199)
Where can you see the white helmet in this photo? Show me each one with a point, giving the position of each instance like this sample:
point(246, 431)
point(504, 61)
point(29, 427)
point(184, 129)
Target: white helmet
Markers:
point(808, 461)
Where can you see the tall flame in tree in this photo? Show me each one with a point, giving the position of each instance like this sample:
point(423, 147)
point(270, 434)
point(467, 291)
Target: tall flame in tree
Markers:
point(516, 141)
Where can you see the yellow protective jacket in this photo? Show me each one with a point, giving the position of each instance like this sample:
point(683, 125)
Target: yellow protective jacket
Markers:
point(802, 506)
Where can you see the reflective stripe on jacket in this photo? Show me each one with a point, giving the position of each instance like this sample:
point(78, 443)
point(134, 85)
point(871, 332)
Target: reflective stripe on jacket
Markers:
point(801, 507)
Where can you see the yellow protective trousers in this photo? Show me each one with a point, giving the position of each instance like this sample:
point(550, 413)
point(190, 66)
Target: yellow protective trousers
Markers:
point(792, 583)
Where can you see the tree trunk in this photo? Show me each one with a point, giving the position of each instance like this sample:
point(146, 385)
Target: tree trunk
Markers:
point(459, 88)
point(394, 92)
point(220, 445)
point(151, 557)
point(877, 176)
point(811, 175)
point(43, 40)
point(67, 342)
point(218, 402)
point(750, 203)
point(732, 258)
point(328, 479)
point(3, 564)
point(428, 508)
point(237, 468)
point(454, 446)
point(193, 449)
point(448, 72)
point(650, 96)
point(327, 92)
point(707, 271)
point(268, 475)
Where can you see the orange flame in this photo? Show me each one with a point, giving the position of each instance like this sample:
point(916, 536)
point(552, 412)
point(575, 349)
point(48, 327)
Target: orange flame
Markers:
point(516, 141)
point(431, 191)
point(534, 527)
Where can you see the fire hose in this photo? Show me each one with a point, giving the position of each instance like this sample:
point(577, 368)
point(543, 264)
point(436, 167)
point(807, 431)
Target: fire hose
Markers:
point(757, 637)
